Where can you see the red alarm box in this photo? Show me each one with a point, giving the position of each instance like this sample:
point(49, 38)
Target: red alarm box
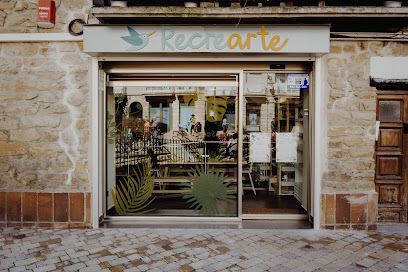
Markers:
point(46, 13)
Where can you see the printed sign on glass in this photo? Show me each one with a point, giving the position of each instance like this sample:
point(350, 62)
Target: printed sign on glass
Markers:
point(286, 147)
point(260, 147)
point(298, 81)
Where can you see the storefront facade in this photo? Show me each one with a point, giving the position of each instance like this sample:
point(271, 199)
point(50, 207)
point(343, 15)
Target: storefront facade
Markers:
point(283, 125)
point(200, 106)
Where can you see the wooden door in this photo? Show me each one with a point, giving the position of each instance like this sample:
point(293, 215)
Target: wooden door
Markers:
point(391, 156)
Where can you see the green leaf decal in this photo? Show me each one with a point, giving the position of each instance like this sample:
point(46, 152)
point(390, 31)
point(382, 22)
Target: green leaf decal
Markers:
point(134, 195)
point(207, 190)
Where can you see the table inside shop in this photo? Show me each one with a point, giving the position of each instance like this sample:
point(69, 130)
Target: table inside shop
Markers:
point(170, 167)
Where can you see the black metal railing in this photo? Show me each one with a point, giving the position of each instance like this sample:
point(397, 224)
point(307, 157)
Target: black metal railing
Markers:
point(156, 149)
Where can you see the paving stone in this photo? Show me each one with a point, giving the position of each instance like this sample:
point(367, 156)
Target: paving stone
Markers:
point(108, 258)
point(17, 269)
point(25, 262)
point(202, 250)
point(45, 268)
point(74, 267)
point(90, 268)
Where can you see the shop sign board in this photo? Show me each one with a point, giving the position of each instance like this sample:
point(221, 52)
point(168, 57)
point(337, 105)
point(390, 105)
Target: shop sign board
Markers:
point(221, 38)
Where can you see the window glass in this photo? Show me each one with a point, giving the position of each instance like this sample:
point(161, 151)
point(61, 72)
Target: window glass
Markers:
point(275, 144)
point(171, 151)
point(390, 111)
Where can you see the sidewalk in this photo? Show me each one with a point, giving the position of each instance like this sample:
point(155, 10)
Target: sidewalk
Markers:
point(203, 250)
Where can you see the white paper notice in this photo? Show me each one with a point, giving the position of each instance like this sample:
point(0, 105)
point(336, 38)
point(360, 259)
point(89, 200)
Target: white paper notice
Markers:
point(255, 84)
point(260, 147)
point(377, 130)
point(286, 147)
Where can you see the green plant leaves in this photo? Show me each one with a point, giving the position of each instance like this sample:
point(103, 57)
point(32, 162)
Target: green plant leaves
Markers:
point(132, 196)
point(207, 190)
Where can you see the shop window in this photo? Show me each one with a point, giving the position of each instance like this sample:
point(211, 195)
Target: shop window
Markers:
point(183, 161)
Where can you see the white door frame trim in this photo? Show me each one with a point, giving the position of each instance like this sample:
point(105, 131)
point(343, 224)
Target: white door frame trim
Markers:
point(96, 143)
point(316, 142)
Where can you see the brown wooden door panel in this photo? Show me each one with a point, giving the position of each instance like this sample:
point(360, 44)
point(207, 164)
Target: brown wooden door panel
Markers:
point(386, 152)
point(389, 194)
point(391, 156)
point(389, 167)
point(389, 216)
point(389, 181)
point(390, 139)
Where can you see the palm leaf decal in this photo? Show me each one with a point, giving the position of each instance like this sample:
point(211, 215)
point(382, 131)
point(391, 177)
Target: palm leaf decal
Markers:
point(133, 195)
point(207, 190)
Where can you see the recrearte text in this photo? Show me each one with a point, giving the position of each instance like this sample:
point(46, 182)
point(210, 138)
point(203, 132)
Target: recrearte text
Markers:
point(170, 41)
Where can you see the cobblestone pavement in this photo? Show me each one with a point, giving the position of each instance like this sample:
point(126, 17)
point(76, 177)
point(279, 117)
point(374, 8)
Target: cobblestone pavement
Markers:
point(201, 250)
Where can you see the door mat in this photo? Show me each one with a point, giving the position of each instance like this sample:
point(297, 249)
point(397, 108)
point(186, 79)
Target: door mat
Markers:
point(271, 211)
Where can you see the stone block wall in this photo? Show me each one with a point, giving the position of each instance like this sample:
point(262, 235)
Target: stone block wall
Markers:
point(349, 123)
point(44, 117)
point(20, 16)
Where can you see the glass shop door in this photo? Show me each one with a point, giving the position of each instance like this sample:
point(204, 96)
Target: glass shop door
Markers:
point(275, 144)
point(171, 145)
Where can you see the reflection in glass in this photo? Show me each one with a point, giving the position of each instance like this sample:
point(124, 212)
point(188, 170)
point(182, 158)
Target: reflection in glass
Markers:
point(172, 151)
point(275, 147)
point(390, 111)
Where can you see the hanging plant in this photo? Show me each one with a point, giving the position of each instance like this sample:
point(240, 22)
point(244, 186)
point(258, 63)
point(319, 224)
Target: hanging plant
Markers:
point(216, 108)
point(132, 196)
point(207, 190)
point(112, 127)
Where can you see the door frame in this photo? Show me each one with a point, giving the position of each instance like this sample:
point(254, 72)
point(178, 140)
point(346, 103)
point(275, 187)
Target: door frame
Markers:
point(391, 181)
point(242, 123)
point(314, 128)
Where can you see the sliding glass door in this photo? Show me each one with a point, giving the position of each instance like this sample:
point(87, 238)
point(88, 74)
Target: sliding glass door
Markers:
point(275, 144)
point(172, 145)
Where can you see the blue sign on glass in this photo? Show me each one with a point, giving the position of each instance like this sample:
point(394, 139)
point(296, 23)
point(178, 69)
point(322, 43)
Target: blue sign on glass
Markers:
point(298, 81)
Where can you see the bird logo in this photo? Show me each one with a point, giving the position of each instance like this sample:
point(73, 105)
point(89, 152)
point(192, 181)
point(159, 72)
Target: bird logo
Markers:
point(138, 41)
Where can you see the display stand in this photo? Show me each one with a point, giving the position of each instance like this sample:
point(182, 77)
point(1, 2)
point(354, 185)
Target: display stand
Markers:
point(286, 177)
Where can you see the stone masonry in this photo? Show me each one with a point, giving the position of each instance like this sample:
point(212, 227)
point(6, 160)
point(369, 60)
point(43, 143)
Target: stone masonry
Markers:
point(44, 124)
point(349, 122)
point(20, 16)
